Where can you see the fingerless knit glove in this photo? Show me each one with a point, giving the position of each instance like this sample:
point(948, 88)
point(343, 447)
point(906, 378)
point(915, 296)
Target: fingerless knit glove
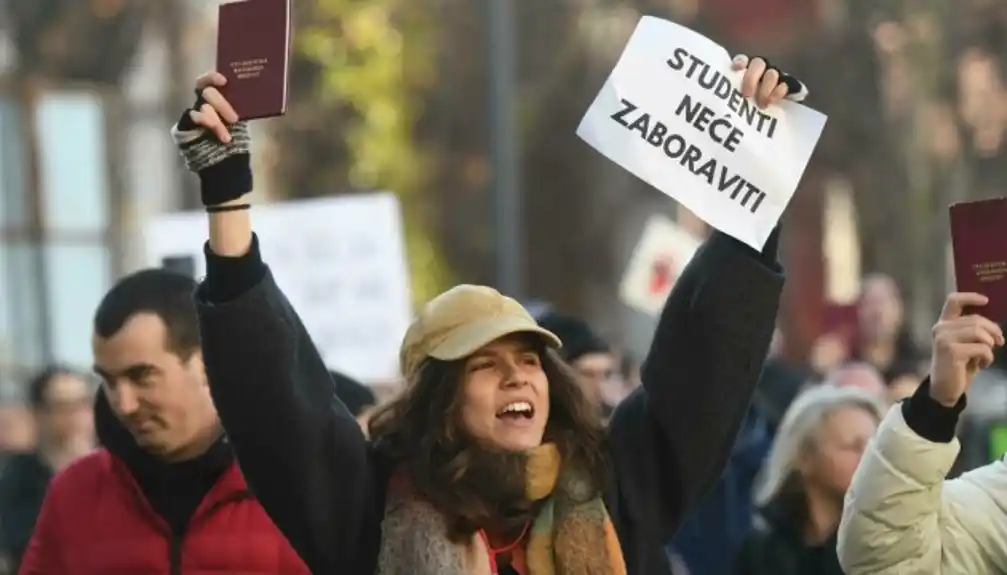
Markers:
point(796, 90)
point(224, 170)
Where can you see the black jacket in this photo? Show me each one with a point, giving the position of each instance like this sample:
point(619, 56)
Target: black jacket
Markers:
point(323, 484)
point(22, 490)
point(775, 546)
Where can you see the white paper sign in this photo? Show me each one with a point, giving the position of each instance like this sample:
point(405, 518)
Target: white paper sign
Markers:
point(657, 261)
point(671, 114)
point(340, 261)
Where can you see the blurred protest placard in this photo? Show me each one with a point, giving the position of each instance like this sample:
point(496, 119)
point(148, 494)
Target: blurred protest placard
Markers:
point(340, 261)
point(672, 114)
point(657, 261)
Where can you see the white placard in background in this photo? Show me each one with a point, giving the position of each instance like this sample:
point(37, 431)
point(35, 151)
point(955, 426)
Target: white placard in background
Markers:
point(671, 114)
point(658, 259)
point(341, 262)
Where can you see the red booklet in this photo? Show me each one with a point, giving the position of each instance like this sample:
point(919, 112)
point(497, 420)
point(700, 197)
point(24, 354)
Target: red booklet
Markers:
point(253, 51)
point(979, 244)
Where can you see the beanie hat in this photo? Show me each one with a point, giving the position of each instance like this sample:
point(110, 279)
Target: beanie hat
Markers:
point(577, 336)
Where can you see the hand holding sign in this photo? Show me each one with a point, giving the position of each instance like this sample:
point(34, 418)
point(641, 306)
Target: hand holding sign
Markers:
point(765, 83)
point(680, 114)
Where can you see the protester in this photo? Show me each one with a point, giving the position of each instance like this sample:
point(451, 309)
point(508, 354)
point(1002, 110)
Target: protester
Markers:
point(589, 355)
point(882, 338)
point(629, 370)
point(60, 399)
point(164, 494)
point(901, 515)
point(492, 460)
point(811, 463)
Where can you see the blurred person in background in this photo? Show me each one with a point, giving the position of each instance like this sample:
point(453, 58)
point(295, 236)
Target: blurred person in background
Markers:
point(359, 399)
point(164, 494)
point(860, 375)
point(902, 387)
point(630, 369)
point(829, 351)
point(780, 383)
point(810, 466)
point(904, 383)
point(537, 308)
point(17, 425)
point(491, 460)
point(902, 515)
point(61, 401)
point(883, 339)
point(592, 357)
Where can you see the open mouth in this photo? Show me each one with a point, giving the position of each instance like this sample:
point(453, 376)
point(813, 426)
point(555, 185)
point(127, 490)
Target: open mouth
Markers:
point(517, 410)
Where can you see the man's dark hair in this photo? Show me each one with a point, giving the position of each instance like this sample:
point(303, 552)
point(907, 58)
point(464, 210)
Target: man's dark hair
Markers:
point(164, 293)
point(39, 385)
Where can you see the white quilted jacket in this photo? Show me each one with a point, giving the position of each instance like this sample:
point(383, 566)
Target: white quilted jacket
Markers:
point(902, 518)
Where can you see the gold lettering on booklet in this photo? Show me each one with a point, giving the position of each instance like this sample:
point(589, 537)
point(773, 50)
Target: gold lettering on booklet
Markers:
point(247, 69)
point(990, 271)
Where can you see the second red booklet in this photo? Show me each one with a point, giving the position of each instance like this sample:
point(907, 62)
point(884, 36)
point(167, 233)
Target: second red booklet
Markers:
point(979, 244)
point(253, 53)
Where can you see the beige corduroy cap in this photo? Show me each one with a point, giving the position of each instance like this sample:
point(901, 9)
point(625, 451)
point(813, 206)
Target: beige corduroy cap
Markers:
point(462, 320)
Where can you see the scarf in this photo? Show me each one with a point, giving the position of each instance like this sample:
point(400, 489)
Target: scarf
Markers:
point(571, 535)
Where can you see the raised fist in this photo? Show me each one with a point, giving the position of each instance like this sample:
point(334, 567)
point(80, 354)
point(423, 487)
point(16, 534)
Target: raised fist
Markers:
point(962, 345)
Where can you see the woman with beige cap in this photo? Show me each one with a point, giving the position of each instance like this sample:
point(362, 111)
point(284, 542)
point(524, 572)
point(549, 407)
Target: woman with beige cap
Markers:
point(492, 460)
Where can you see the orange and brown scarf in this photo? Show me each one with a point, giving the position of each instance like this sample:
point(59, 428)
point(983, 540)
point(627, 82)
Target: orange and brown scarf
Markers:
point(572, 534)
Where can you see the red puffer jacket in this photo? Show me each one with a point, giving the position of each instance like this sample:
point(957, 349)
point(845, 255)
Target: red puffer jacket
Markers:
point(96, 521)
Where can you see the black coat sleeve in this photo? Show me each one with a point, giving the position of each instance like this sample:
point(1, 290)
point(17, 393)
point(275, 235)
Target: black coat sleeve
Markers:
point(671, 438)
point(301, 451)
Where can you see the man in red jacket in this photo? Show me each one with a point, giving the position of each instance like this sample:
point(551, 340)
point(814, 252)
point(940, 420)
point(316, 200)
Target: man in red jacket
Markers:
point(164, 494)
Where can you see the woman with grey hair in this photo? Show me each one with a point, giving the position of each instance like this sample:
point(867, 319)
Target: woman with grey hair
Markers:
point(800, 499)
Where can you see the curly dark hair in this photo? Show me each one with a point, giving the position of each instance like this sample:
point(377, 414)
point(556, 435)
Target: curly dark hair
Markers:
point(472, 484)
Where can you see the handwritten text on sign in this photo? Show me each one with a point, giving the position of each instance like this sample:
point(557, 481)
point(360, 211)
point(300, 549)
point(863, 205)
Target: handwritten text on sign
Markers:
point(671, 112)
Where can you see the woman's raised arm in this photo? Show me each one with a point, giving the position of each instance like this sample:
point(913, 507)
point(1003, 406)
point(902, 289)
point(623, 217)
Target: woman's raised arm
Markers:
point(301, 451)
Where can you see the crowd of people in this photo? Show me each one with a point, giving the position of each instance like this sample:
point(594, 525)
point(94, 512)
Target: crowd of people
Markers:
point(217, 440)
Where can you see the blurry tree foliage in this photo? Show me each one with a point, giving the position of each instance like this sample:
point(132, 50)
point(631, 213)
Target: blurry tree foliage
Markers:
point(393, 94)
point(361, 69)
